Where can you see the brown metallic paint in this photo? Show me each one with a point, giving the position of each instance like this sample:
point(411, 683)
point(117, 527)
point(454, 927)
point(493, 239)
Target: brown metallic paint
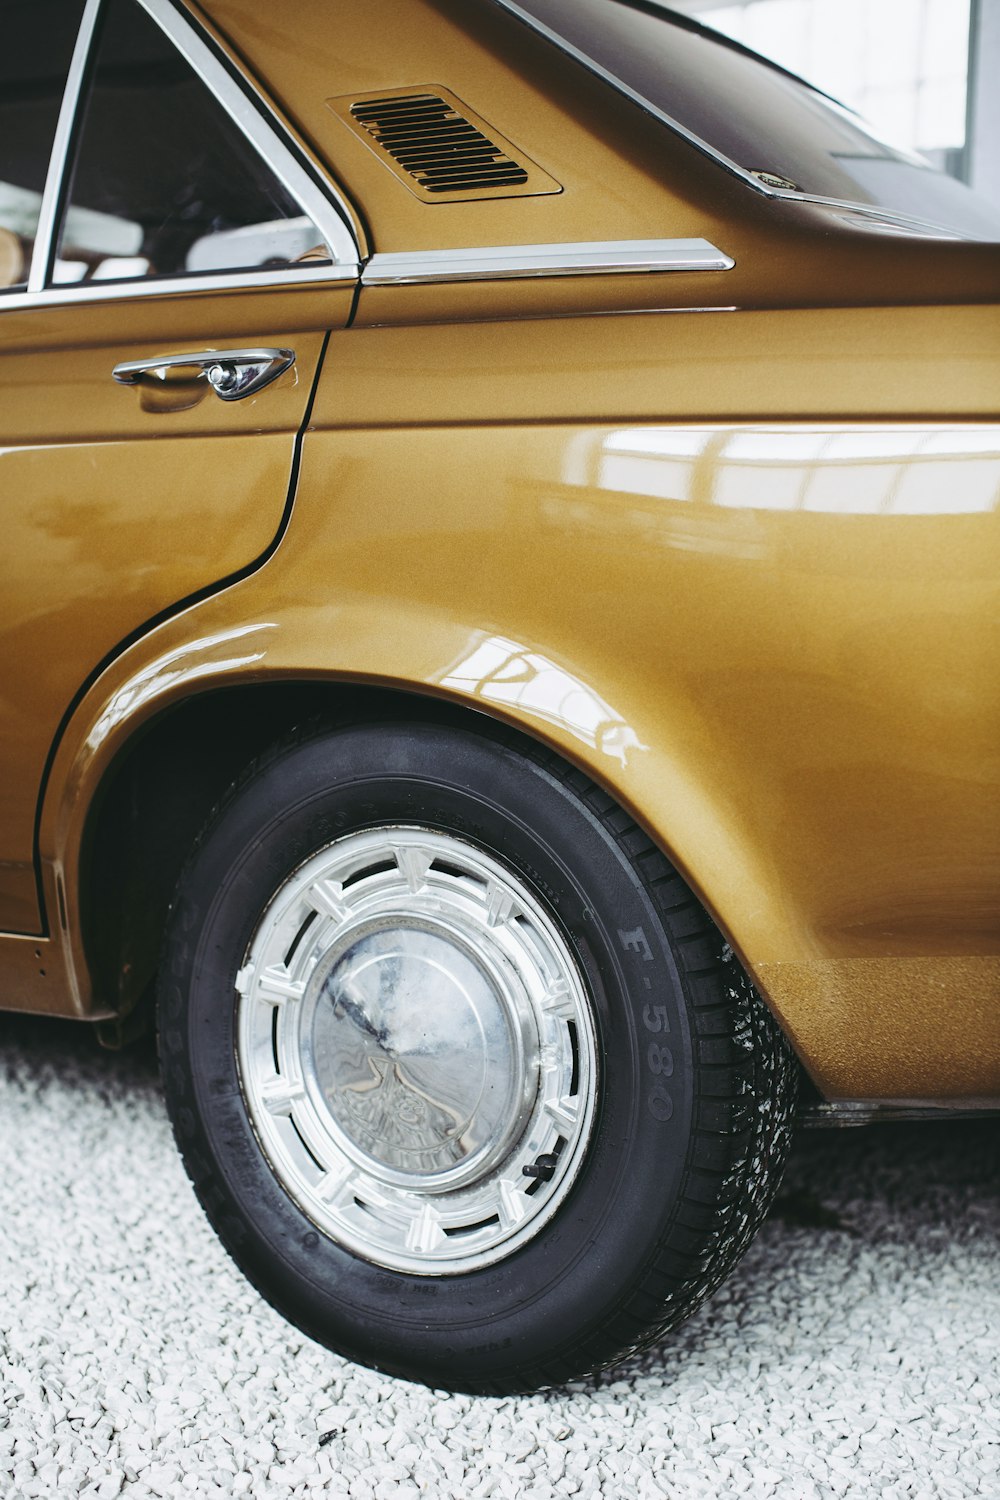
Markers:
point(623, 174)
point(799, 699)
point(694, 736)
point(102, 531)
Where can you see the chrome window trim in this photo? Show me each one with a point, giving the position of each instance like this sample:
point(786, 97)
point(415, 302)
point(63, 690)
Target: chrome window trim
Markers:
point(278, 156)
point(502, 262)
point(278, 122)
point(881, 217)
point(786, 194)
point(71, 293)
point(43, 250)
point(262, 136)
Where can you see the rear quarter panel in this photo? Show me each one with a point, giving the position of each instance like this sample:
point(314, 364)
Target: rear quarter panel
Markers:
point(722, 562)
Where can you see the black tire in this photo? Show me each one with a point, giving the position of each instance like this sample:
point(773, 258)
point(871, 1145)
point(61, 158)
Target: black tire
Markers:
point(688, 1141)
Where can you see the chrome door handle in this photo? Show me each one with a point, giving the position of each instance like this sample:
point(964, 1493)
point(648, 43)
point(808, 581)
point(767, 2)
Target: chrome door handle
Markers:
point(232, 373)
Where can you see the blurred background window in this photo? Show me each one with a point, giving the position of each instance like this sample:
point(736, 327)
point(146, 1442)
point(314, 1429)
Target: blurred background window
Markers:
point(900, 63)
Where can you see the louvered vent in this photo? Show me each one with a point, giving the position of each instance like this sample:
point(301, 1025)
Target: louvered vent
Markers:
point(441, 149)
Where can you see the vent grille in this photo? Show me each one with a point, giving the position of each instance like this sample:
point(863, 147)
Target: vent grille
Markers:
point(441, 149)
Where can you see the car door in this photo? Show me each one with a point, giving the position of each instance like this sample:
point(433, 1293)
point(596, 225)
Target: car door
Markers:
point(169, 270)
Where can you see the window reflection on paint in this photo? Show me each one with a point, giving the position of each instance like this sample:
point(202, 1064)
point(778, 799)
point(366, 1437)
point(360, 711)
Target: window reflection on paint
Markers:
point(500, 671)
point(841, 471)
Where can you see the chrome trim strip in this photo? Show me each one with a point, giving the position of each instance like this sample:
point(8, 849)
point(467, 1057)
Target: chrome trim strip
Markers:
point(841, 1114)
point(879, 215)
point(74, 293)
point(279, 122)
point(496, 262)
point(42, 251)
point(278, 156)
point(696, 140)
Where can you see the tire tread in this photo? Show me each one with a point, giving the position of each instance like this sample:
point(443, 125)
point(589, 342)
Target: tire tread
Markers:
point(751, 1095)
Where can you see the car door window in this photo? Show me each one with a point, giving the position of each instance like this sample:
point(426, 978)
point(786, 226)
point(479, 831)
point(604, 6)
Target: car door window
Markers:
point(38, 40)
point(164, 184)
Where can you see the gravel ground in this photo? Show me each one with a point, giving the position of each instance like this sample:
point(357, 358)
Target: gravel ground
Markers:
point(856, 1350)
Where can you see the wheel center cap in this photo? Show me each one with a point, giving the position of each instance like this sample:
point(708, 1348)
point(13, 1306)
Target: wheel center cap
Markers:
point(417, 1049)
point(415, 1054)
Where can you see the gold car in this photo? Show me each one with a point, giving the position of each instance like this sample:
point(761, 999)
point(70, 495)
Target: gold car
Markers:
point(499, 613)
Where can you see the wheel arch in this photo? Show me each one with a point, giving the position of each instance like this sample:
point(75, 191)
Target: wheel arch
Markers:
point(155, 796)
point(167, 774)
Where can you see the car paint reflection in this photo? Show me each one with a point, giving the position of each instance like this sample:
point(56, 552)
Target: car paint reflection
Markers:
point(834, 470)
point(500, 671)
point(195, 659)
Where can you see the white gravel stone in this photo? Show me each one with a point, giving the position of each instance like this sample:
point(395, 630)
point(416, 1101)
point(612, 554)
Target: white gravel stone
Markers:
point(135, 1361)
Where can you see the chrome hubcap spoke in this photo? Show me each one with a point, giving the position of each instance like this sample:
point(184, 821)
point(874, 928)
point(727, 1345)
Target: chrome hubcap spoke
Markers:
point(417, 1050)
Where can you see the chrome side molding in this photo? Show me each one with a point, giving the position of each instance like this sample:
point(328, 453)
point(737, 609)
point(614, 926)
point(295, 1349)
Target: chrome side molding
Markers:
point(587, 258)
point(845, 1113)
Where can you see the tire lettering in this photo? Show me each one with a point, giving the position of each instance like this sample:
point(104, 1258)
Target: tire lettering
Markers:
point(635, 942)
point(661, 1106)
point(658, 1056)
point(660, 1060)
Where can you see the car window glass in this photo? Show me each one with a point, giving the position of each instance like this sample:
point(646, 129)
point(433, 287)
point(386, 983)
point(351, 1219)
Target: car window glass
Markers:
point(768, 122)
point(164, 183)
point(38, 38)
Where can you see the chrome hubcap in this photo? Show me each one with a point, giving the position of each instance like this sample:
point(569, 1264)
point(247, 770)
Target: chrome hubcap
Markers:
point(416, 1050)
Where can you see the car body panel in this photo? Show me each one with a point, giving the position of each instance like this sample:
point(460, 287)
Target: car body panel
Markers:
point(104, 531)
point(622, 172)
point(702, 550)
point(726, 539)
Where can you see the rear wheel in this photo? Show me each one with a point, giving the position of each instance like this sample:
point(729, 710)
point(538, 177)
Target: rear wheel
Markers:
point(465, 1079)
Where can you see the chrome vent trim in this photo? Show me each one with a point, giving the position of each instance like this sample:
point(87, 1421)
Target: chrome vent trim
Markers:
point(501, 262)
point(442, 150)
